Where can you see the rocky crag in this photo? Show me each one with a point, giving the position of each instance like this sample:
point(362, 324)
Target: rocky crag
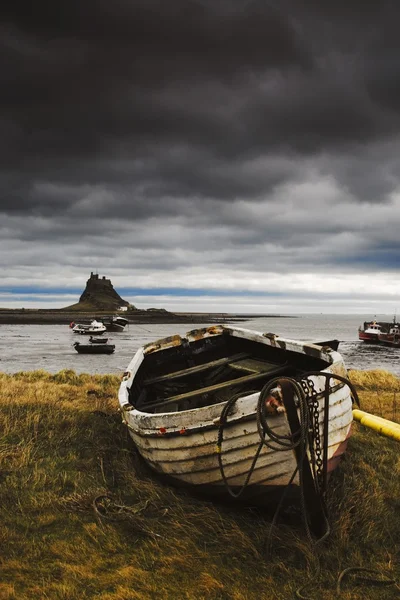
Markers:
point(100, 299)
point(99, 294)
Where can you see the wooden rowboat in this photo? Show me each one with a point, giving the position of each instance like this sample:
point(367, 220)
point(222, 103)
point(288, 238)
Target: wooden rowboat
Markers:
point(225, 409)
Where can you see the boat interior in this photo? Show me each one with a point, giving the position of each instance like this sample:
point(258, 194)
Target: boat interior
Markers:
point(211, 370)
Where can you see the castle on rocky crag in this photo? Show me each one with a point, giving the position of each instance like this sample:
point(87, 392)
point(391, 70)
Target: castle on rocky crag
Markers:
point(100, 294)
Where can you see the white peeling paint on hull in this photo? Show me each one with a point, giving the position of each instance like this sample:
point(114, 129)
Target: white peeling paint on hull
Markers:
point(198, 463)
point(193, 458)
point(264, 473)
point(183, 445)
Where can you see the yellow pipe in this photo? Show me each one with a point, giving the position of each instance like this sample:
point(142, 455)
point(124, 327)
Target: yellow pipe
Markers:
point(382, 426)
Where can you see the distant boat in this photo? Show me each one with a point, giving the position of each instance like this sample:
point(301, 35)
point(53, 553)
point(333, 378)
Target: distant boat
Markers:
point(380, 332)
point(94, 328)
point(94, 340)
point(392, 337)
point(208, 409)
point(94, 348)
point(370, 331)
point(115, 323)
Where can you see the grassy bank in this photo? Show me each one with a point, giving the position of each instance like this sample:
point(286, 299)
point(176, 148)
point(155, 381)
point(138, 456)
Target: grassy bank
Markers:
point(63, 447)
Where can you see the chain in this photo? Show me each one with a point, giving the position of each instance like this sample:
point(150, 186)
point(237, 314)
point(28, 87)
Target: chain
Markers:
point(314, 432)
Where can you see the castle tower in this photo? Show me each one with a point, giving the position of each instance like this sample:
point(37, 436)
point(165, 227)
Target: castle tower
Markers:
point(101, 294)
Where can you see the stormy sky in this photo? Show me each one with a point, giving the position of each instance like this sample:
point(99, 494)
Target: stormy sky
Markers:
point(210, 155)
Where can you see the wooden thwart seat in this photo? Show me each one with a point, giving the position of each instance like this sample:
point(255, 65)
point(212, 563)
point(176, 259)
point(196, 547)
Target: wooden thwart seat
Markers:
point(197, 369)
point(252, 365)
point(219, 386)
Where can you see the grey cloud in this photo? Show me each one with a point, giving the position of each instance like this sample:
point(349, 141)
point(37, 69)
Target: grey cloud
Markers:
point(175, 133)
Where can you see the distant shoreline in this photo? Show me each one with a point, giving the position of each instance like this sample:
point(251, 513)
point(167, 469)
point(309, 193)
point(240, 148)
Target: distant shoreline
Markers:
point(59, 317)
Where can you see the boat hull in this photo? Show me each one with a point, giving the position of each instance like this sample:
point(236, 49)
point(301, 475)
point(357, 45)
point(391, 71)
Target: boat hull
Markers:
point(392, 337)
point(191, 456)
point(114, 327)
point(94, 349)
point(372, 338)
point(94, 328)
point(95, 340)
point(115, 323)
point(184, 444)
point(90, 331)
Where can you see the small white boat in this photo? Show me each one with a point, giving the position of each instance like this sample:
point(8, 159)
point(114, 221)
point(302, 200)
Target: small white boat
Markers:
point(229, 410)
point(94, 328)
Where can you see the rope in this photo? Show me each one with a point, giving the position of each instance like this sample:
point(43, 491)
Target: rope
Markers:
point(105, 508)
point(298, 440)
point(283, 442)
point(274, 441)
point(220, 438)
point(385, 581)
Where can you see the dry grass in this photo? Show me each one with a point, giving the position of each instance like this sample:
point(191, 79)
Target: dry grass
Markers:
point(62, 445)
point(380, 392)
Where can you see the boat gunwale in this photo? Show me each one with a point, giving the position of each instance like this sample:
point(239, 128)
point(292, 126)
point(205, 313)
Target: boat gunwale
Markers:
point(179, 430)
point(330, 356)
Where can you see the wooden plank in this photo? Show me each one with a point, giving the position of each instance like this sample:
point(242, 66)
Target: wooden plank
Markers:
point(196, 369)
point(252, 365)
point(214, 388)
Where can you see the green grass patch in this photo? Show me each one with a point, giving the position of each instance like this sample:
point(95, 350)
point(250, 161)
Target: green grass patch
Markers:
point(63, 448)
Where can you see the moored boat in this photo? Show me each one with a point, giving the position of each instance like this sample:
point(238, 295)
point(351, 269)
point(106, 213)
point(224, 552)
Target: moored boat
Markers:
point(94, 328)
point(95, 340)
point(115, 323)
point(212, 409)
point(94, 348)
point(370, 331)
point(392, 337)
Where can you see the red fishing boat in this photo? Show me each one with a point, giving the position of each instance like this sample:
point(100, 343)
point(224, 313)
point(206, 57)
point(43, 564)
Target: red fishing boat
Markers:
point(370, 331)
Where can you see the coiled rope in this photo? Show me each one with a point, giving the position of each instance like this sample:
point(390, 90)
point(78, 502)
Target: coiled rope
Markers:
point(276, 442)
point(298, 440)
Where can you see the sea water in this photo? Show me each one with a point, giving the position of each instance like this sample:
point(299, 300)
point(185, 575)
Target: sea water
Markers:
point(50, 347)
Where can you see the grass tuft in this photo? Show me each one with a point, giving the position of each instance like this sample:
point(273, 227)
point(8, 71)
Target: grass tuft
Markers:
point(82, 517)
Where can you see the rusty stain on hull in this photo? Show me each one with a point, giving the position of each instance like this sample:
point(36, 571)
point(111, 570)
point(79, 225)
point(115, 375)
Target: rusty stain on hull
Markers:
point(168, 342)
point(177, 434)
point(198, 334)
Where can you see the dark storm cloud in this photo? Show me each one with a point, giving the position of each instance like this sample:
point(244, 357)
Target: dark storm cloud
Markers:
point(148, 110)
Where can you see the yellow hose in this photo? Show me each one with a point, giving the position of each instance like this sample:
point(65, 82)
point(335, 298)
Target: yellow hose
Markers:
point(382, 426)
